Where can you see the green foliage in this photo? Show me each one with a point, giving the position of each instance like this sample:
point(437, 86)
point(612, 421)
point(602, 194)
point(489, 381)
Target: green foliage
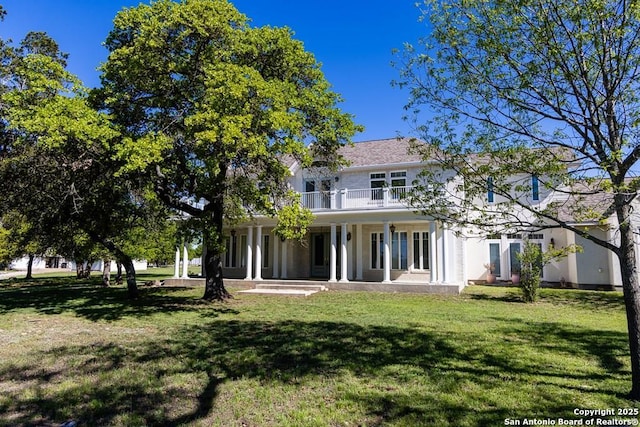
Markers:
point(512, 89)
point(531, 263)
point(532, 259)
point(215, 111)
point(293, 221)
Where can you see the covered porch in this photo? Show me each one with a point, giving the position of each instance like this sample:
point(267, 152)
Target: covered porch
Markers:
point(389, 251)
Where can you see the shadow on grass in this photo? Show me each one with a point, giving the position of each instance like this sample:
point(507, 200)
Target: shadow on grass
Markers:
point(87, 299)
point(176, 380)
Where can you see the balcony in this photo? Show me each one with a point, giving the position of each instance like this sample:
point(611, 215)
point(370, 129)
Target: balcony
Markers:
point(345, 198)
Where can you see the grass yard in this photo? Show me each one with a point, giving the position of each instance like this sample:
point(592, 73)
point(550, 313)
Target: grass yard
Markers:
point(70, 350)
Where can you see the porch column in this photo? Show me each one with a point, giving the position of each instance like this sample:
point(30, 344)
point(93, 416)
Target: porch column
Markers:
point(333, 254)
point(350, 252)
point(276, 250)
point(359, 260)
point(249, 259)
point(433, 259)
point(446, 251)
point(386, 278)
point(283, 275)
point(344, 277)
point(440, 252)
point(176, 268)
point(258, 257)
point(185, 262)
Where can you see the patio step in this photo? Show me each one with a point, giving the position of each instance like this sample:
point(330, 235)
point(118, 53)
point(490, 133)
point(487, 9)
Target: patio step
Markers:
point(309, 287)
point(279, 289)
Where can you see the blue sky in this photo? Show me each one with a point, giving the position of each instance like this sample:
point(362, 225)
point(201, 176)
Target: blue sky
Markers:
point(353, 39)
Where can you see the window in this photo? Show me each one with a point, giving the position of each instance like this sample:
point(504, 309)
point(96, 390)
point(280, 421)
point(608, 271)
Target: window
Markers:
point(243, 250)
point(514, 261)
point(490, 190)
point(535, 188)
point(265, 250)
point(420, 250)
point(309, 186)
point(325, 188)
point(231, 252)
point(398, 184)
point(399, 250)
point(377, 251)
point(494, 258)
point(378, 181)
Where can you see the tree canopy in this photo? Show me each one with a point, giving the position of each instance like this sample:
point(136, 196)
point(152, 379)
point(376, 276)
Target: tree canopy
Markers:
point(58, 167)
point(532, 93)
point(215, 112)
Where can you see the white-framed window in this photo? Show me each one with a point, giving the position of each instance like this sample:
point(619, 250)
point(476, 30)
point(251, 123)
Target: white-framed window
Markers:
point(243, 251)
point(495, 257)
point(420, 250)
point(377, 181)
point(399, 250)
point(490, 197)
point(377, 251)
point(231, 252)
point(535, 188)
point(398, 184)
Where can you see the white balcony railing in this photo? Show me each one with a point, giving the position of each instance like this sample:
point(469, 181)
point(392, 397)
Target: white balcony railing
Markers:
point(368, 198)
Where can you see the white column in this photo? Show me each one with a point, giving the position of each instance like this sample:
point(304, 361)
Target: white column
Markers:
point(185, 262)
point(283, 270)
point(433, 257)
point(276, 250)
point(350, 253)
point(333, 254)
point(343, 253)
point(447, 275)
point(258, 257)
point(359, 260)
point(440, 253)
point(176, 269)
point(386, 278)
point(249, 259)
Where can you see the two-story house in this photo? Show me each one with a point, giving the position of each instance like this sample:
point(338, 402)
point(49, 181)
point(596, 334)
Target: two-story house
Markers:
point(364, 232)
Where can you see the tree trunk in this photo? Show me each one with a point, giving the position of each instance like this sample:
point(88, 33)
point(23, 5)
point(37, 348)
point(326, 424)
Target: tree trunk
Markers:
point(631, 289)
point(132, 286)
point(106, 272)
point(87, 269)
point(119, 272)
point(127, 262)
point(30, 267)
point(79, 269)
point(214, 289)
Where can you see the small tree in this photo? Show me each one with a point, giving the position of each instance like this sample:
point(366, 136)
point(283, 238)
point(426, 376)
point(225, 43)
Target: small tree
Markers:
point(532, 261)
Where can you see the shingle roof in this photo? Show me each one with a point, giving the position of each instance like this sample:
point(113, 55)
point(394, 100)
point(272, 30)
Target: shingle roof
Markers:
point(380, 152)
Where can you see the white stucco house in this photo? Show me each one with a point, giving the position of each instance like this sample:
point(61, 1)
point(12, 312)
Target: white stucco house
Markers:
point(364, 232)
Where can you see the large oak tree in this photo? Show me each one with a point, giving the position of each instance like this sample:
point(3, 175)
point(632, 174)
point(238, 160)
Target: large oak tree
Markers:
point(215, 111)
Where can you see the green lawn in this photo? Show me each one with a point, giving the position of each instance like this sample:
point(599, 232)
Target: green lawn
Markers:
point(71, 350)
